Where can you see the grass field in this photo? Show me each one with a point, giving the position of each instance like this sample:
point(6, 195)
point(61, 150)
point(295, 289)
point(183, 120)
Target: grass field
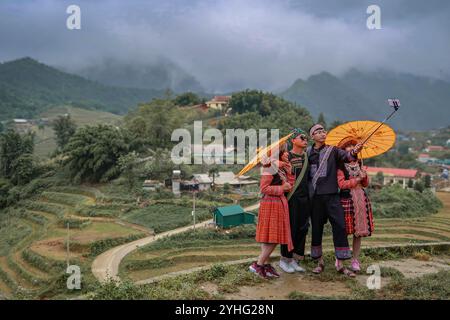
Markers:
point(406, 273)
point(205, 247)
point(34, 235)
point(45, 138)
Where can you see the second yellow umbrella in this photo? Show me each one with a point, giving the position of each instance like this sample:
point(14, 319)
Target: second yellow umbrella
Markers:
point(380, 142)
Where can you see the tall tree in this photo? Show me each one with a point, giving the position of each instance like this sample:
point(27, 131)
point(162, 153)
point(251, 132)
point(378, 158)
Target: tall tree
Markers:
point(187, 99)
point(12, 147)
point(321, 120)
point(154, 122)
point(64, 128)
point(93, 152)
point(213, 172)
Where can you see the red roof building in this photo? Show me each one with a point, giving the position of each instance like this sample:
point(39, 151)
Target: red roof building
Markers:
point(435, 148)
point(393, 175)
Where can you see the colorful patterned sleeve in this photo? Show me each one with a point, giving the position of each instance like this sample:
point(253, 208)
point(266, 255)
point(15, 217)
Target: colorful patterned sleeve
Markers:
point(345, 184)
point(365, 182)
point(345, 156)
point(267, 188)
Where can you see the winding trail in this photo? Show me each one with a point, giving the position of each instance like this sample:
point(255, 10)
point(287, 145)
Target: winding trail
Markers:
point(106, 265)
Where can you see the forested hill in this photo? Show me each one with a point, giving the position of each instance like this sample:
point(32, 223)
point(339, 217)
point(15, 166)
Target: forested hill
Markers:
point(28, 87)
point(362, 95)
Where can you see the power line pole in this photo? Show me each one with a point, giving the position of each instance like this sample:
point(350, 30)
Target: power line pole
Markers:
point(193, 207)
point(68, 239)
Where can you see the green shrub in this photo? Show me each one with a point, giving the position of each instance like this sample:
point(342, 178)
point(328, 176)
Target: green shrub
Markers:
point(97, 247)
point(163, 217)
point(52, 208)
point(396, 202)
point(43, 263)
point(73, 223)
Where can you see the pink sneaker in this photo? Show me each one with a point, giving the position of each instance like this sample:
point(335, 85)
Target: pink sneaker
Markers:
point(259, 270)
point(356, 265)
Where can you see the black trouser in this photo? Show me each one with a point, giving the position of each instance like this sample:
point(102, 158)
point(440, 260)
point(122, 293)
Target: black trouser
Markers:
point(328, 207)
point(299, 214)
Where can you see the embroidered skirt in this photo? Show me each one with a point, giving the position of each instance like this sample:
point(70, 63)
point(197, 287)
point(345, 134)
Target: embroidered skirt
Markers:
point(349, 214)
point(273, 221)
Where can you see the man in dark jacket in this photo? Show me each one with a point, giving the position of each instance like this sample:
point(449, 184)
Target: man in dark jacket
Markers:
point(323, 192)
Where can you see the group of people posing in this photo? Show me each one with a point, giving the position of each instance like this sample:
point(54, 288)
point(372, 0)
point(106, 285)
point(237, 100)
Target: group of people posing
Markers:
point(314, 184)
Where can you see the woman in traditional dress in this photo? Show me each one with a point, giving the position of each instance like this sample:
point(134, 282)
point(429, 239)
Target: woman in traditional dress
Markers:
point(352, 180)
point(273, 218)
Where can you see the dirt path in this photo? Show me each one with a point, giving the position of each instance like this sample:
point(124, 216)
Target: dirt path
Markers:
point(308, 285)
point(107, 264)
point(274, 255)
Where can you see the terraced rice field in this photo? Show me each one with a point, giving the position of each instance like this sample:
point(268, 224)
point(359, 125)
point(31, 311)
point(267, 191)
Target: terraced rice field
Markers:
point(38, 255)
point(155, 260)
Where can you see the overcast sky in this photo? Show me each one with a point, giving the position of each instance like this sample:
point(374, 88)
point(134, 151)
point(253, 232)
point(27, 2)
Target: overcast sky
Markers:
point(231, 44)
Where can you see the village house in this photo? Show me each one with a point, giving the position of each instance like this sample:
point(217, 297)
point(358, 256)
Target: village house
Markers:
point(393, 175)
point(425, 158)
point(434, 148)
point(203, 180)
point(230, 178)
point(152, 185)
point(22, 125)
point(218, 102)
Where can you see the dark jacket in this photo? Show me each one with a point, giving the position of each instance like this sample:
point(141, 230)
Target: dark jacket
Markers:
point(327, 183)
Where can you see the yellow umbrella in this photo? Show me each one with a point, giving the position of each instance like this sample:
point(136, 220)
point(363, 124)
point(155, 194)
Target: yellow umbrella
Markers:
point(379, 140)
point(261, 153)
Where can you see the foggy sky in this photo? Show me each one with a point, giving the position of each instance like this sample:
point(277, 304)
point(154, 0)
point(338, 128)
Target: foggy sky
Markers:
point(234, 44)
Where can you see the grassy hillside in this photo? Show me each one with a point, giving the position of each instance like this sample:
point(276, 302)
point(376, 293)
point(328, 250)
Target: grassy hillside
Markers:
point(28, 87)
point(45, 137)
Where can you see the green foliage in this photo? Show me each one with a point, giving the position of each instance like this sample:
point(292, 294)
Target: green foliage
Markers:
point(204, 237)
point(160, 167)
point(154, 122)
point(63, 198)
point(396, 202)
point(118, 290)
point(321, 120)
point(28, 87)
point(163, 217)
point(73, 223)
point(5, 186)
point(35, 217)
point(11, 232)
point(427, 181)
point(256, 109)
point(187, 99)
point(53, 208)
point(93, 152)
point(99, 246)
point(379, 178)
point(64, 128)
point(419, 186)
point(15, 152)
point(23, 169)
point(410, 183)
point(127, 164)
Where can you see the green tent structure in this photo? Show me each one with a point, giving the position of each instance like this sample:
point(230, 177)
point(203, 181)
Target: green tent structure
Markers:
point(231, 216)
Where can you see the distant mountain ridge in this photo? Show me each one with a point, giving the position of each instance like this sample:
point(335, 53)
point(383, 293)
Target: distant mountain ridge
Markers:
point(28, 87)
point(160, 75)
point(362, 95)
